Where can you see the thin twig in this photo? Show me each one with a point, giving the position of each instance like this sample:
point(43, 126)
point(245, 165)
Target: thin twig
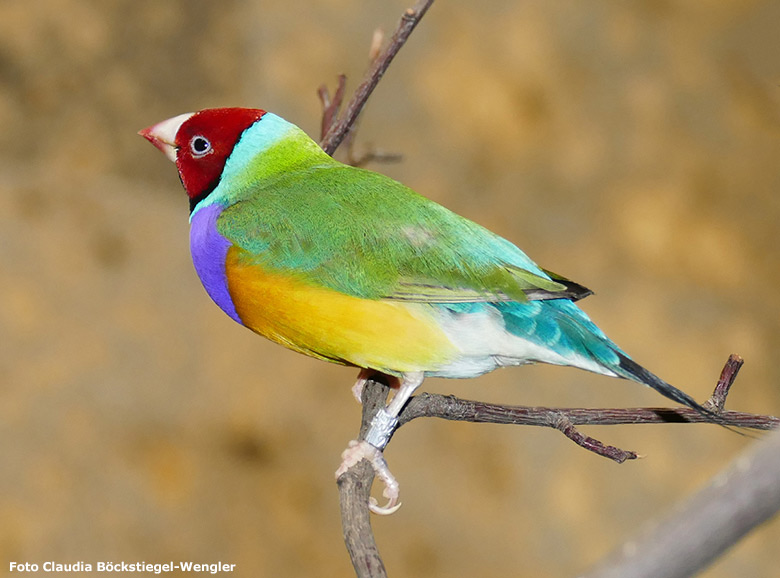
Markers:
point(340, 128)
point(331, 108)
point(566, 427)
point(727, 377)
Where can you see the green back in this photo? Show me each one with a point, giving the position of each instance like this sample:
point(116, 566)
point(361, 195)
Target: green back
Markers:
point(364, 234)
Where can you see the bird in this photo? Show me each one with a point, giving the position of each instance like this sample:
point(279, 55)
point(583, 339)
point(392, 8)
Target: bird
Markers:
point(352, 267)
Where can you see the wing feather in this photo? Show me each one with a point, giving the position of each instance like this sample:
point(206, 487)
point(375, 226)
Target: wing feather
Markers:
point(366, 235)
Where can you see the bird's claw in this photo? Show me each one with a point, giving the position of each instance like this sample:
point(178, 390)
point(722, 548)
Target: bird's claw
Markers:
point(363, 450)
point(390, 508)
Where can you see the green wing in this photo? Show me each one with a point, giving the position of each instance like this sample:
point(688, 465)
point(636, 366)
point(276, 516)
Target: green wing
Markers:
point(364, 234)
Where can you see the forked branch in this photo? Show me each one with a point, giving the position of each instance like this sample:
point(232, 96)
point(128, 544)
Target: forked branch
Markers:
point(565, 419)
point(337, 131)
point(354, 486)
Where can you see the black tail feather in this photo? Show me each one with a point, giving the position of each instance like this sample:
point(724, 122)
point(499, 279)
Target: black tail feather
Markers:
point(638, 373)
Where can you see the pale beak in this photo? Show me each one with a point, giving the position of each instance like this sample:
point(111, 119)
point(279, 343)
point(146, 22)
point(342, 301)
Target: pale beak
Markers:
point(163, 134)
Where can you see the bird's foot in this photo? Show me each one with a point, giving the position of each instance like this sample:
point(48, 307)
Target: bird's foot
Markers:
point(363, 450)
point(382, 426)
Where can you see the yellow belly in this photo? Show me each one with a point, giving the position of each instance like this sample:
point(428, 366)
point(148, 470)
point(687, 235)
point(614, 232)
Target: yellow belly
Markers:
point(391, 337)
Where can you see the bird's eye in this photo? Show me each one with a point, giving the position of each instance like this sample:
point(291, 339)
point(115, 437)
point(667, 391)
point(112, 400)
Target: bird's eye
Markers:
point(200, 146)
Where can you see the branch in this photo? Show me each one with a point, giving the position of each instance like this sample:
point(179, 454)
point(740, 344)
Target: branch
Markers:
point(337, 131)
point(565, 419)
point(457, 409)
point(700, 530)
point(355, 485)
point(354, 490)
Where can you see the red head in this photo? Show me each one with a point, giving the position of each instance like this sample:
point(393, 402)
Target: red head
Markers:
point(200, 143)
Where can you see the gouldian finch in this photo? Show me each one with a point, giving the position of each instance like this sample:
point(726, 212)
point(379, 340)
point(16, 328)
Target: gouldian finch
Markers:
point(350, 266)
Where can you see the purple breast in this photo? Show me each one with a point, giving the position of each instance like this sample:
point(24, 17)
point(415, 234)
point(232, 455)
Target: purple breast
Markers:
point(209, 251)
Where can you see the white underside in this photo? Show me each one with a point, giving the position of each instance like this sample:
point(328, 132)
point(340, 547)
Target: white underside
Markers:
point(487, 345)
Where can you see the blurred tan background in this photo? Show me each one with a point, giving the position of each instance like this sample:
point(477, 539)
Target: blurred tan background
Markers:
point(631, 146)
